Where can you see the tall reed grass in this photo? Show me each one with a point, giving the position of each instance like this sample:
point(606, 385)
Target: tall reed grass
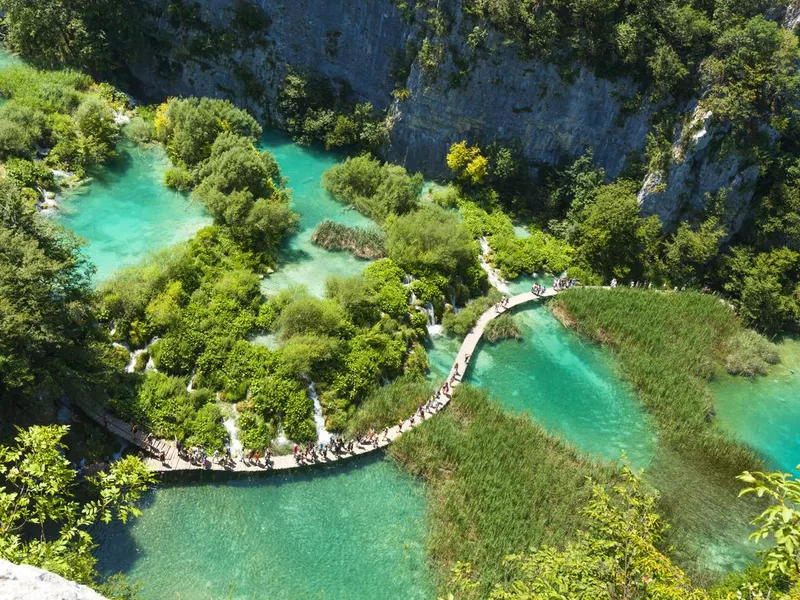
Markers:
point(363, 243)
point(670, 345)
point(497, 484)
point(390, 403)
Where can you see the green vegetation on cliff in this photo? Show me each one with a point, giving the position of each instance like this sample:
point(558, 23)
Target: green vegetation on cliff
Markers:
point(62, 114)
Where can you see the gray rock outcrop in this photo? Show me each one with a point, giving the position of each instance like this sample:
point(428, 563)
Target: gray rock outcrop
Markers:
point(479, 95)
point(698, 175)
point(24, 582)
point(357, 44)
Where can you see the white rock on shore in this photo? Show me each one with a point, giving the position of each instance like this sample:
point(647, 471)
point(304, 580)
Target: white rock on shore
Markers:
point(24, 582)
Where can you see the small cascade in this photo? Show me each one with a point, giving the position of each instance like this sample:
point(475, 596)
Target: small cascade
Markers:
point(494, 276)
point(233, 433)
point(150, 366)
point(134, 357)
point(190, 387)
point(412, 299)
point(323, 435)
point(428, 310)
point(435, 330)
point(117, 455)
point(281, 438)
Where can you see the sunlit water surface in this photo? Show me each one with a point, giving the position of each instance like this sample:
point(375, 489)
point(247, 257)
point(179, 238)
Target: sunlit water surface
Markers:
point(353, 531)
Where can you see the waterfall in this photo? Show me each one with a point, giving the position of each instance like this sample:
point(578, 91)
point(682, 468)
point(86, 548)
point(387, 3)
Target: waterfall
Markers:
point(412, 298)
point(428, 309)
point(134, 356)
point(190, 387)
point(323, 435)
point(233, 433)
point(494, 276)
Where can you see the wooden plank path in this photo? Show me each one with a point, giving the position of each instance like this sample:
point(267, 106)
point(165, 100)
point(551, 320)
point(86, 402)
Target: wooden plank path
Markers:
point(173, 462)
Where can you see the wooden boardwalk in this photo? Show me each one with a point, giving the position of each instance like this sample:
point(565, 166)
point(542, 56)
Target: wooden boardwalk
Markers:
point(173, 462)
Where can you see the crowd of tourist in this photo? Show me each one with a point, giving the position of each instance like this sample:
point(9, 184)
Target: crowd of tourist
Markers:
point(563, 283)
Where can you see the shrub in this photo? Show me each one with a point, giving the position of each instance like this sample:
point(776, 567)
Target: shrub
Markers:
point(502, 328)
point(140, 131)
point(749, 354)
point(373, 189)
point(178, 178)
point(460, 323)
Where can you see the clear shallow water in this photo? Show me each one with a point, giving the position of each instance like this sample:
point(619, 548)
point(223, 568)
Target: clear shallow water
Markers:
point(301, 261)
point(352, 532)
point(125, 212)
point(765, 412)
point(567, 385)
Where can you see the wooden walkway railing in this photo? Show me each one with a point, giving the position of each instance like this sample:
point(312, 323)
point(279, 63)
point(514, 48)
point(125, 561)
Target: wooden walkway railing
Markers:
point(174, 462)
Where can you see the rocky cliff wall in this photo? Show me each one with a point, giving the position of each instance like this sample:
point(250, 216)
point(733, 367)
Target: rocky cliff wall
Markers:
point(354, 44)
point(24, 582)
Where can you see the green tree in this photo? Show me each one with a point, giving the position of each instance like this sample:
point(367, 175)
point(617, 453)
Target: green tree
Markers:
point(691, 251)
point(92, 34)
point(616, 556)
point(432, 240)
point(41, 521)
point(467, 162)
point(608, 232)
point(753, 75)
point(780, 520)
point(45, 291)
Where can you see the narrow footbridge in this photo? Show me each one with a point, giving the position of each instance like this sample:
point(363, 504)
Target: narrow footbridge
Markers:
point(173, 462)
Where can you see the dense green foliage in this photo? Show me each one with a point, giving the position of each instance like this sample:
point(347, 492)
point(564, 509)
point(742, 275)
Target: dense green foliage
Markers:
point(212, 144)
point(596, 231)
point(374, 189)
point(669, 345)
point(314, 112)
point(513, 255)
point(670, 48)
point(432, 243)
point(62, 111)
point(41, 521)
point(460, 323)
point(363, 243)
point(498, 484)
point(48, 344)
point(91, 34)
point(200, 298)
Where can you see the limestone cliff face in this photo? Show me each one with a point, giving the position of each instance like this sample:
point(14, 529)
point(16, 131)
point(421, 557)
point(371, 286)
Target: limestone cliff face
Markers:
point(699, 171)
point(354, 44)
point(501, 97)
point(24, 582)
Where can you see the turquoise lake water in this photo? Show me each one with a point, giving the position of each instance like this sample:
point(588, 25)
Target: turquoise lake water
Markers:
point(353, 531)
point(303, 263)
point(126, 211)
point(765, 412)
point(359, 531)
